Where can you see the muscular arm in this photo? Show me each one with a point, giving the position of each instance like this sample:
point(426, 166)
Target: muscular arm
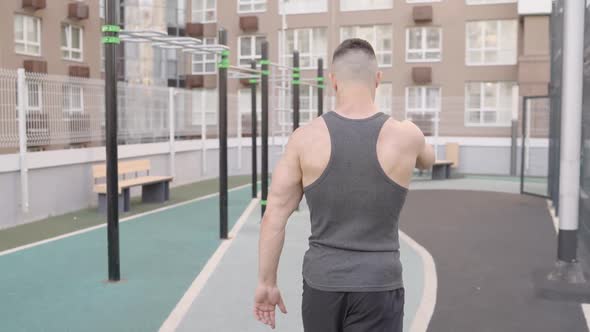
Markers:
point(426, 157)
point(285, 194)
point(425, 153)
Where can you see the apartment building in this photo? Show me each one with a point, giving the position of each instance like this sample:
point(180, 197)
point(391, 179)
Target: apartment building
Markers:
point(456, 67)
point(57, 37)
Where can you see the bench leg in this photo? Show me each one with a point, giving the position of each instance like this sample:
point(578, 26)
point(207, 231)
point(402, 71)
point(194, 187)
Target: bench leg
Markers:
point(102, 203)
point(448, 172)
point(155, 192)
point(438, 173)
point(126, 200)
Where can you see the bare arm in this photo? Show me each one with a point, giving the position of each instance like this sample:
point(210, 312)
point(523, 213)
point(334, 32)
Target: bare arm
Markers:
point(425, 157)
point(285, 194)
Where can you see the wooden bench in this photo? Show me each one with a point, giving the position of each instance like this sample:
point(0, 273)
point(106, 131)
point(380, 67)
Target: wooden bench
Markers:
point(154, 189)
point(441, 169)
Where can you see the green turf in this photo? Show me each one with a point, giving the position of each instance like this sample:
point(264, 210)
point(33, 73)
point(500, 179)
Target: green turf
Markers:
point(58, 225)
point(59, 286)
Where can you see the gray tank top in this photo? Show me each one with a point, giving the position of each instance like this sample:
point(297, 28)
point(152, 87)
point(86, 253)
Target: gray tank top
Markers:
point(354, 208)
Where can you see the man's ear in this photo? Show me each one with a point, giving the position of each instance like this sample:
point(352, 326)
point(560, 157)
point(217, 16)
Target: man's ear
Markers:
point(333, 81)
point(378, 78)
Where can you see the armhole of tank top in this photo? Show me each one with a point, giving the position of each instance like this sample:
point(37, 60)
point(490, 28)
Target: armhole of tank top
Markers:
point(378, 164)
point(328, 165)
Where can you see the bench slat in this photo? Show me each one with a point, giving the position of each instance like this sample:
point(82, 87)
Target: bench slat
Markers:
point(102, 188)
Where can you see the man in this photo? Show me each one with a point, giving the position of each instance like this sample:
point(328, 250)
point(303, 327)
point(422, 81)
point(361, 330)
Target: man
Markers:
point(354, 166)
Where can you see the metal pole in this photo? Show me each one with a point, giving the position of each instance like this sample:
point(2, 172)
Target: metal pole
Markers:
point(171, 124)
point(254, 120)
point(264, 138)
point(111, 41)
point(569, 185)
point(295, 86)
point(320, 81)
point(22, 139)
point(223, 136)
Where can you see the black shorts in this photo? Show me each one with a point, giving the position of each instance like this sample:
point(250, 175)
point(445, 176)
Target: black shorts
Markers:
point(352, 311)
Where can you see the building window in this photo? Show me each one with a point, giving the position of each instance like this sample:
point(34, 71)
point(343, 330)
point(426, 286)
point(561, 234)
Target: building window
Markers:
point(175, 11)
point(245, 107)
point(423, 44)
point(488, 103)
point(423, 106)
point(34, 97)
point(488, 2)
point(308, 103)
point(303, 6)
point(311, 44)
point(380, 37)
point(204, 11)
point(27, 35)
point(73, 99)
point(204, 107)
point(71, 42)
point(250, 48)
point(383, 97)
point(491, 43)
point(205, 63)
point(101, 12)
point(251, 6)
point(350, 5)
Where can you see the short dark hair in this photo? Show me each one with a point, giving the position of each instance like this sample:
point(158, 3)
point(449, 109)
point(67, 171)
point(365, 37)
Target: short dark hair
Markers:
point(354, 44)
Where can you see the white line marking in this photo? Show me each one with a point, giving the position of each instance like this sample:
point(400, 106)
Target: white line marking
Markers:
point(428, 301)
point(182, 307)
point(85, 230)
point(555, 219)
point(553, 216)
point(586, 311)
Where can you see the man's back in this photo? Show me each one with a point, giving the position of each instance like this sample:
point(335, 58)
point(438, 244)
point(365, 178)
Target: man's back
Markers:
point(354, 166)
point(354, 203)
point(398, 147)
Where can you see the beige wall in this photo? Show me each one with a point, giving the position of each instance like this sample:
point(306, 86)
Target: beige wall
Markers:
point(51, 18)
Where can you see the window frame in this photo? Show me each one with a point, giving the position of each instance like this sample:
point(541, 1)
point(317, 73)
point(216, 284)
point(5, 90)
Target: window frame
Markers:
point(68, 47)
point(203, 10)
point(27, 43)
point(390, 97)
point(306, 10)
point(253, 56)
point(288, 57)
point(28, 107)
point(364, 9)
point(482, 108)
point(203, 107)
point(423, 43)
point(491, 2)
point(483, 49)
point(205, 61)
point(252, 4)
point(374, 41)
point(68, 95)
point(423, 96)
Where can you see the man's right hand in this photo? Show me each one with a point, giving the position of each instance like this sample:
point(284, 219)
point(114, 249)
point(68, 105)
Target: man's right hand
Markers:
point(266, 299)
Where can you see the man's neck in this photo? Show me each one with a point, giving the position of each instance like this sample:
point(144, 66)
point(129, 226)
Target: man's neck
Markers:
point(355, 103)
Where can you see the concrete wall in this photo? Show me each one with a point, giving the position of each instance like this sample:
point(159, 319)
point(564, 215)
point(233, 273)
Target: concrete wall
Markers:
point(61, 181)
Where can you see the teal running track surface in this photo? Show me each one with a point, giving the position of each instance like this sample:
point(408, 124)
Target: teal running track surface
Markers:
point(60, 285)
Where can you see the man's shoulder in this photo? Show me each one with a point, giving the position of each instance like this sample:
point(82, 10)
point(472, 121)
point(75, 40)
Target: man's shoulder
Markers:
point(404, 130)
point(308, 133)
